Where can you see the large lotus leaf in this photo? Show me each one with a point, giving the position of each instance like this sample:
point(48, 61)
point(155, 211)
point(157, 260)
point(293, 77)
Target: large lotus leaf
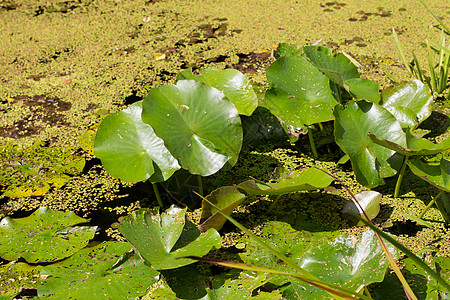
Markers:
point(309, 179)
point(437, 175)
point(410, 102)
point(371, 162)
point(347, 260)
point(162, 238)
point(415, 145)
point(337, 67)
point(44, 236)
point(199, 125)
point(364, 89)
point(110, 270)
point(300, 94)
point(232, 83)
point(16, 276)
point(226, 198)
point(130, 150)
point(369, 201)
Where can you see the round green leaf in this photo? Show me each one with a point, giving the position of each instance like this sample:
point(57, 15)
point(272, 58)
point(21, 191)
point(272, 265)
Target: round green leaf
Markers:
point(130, 150)
point(110, 270)
point(300, 93)
point(200, 127)
point(44, 236)
point(410, 102)
point(364, 89)
point(163, 238)
point(232, 83)
point(371, 162)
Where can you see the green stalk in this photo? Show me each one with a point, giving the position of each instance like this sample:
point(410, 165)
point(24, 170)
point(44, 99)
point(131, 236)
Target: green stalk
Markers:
point(405, 250)
point(311, 142)
point(158, 197)
point(430, 204)
point(419, 71)
point(431, 66)
point(400, 50)
point(400, 178)
point(200, 185)
point(436, 17)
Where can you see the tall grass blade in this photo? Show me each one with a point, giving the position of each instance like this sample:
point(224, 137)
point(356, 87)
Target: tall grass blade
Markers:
point(436, 17)
point(400, 50)
point(431, 66)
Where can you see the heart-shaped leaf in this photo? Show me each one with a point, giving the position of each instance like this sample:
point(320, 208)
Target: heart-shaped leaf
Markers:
point(371, 162)
point(337, 67)
point(437, 175)
point(415, 145)
point(300, 94)
point(309, 179)
point(130, 150)
point(200, 127)
point(232, 83)
point(364, 89)
point(410, 102)
point(110, 270)
point(44, 236)
point(369, 202)
point(163, 238)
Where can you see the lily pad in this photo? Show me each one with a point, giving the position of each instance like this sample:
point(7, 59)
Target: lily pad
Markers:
point(16, 276)
point(410, 102)
point(364, 89)
point(346, 260)
point(130, 150)
point(200, 127)
point(44, 236)
point(161, 239)
point(232, 83)
point(110, 270)
point(34, 170)
point(437, 175)
point(300, 94)
point(371, 162)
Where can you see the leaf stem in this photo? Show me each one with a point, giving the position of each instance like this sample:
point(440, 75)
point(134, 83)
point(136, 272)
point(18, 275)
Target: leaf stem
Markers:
point(430, 204)
point(157, 195)
point(400, 177)
point(311, 141)
point(200, 185)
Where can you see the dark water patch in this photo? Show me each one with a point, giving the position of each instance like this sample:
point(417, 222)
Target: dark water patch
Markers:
point(253, 62)
point(404, 227)
point(63, 7)
point(364, 16)
point(8, 5)
point(41, 110)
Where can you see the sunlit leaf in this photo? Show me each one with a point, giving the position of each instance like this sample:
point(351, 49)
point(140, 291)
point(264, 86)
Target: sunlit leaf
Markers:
point(437, 175)
point(232, 83)
point(371, 162)
point(369, 202)
point(45, 236)
point(163, 238)
point(130, 150)
point(110, 270)
point(200, 127)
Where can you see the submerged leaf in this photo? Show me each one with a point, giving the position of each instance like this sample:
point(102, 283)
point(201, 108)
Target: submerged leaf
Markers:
point(200, 127)
point(370, 203)
point(110, 270)
point(162, 238)
point(130, 150)
point(45, 236)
